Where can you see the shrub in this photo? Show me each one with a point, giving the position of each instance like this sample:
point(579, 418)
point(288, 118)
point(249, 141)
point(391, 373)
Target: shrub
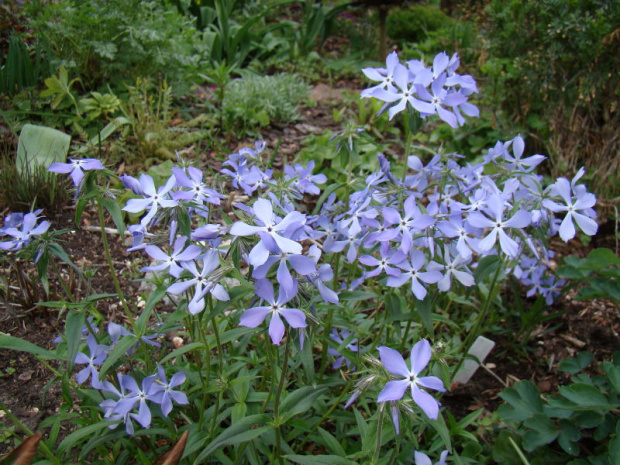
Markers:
point(116, 39)
point(413, 24)
point(555, 76)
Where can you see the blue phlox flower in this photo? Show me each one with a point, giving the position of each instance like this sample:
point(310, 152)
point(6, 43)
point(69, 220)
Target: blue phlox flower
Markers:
point(204, 281)
point(387, 262)
point(137, 397)
point(161, 391)
point(269, 228)
point(254, 316)
point(394, 390)
point(405, 226)
point(515, 162)
point(24, 232)
point(440, 98)
point(302, 264)
point(197, 191)
point(497, 225)
point(323, 274)
point(455, 227)
point(98, 353)
point(578, 205)
point(551, 288)
point(453, 265)
point(75, 168)
point(109, 405)
point(385, 76)
point(207, 232)
point(423, 459)
point(152, 198)
point(303, 179)
point(138, 233)
point(175, 259)
point(406, 93)
point(411, 270)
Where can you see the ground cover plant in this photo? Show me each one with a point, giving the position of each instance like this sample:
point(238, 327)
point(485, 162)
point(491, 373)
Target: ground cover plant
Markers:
point(311, 309)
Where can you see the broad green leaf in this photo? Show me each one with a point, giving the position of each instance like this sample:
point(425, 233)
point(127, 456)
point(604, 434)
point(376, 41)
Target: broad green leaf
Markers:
point(576, 364)
point(319, 460)
point(40, 145)
point(543, 431)
point(14, 343)
point(584, 395)
point(487, 267)
point(522, 401)
point(568, 437)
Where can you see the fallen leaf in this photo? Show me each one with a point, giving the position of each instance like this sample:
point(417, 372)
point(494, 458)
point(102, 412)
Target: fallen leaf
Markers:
point(24, 453)
point(173, 456)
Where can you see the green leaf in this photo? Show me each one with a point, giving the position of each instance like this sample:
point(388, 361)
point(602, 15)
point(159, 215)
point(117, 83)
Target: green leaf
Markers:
point(299, 401)
point(425, 310)
point(544, 431)
point(153, 298)
point(182, 350)
point(487, 267)
point(73, 335)
point(569, 435)
point(82, 432)
point(356, 296)
point(576, 364)
point(319, 460)
point(111, 205)
point(599, 259)
point(119, 349)
point(585, 396)
point(14, 343)
point(242, 431)
point(331, 442)
point(523, 402)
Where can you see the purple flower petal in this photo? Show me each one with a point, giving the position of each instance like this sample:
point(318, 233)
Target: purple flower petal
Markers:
point(393, 362)
point(393, 390)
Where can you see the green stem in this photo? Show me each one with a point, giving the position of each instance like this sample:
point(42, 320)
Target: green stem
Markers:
point(375, 458)
point(276, 405)
point(63, 284)
point(117, 284)
point(46, 450)
point(474, 333)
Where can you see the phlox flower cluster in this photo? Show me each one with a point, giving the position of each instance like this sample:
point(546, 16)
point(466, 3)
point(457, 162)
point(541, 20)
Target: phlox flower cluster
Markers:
point(21, 229)
point(435, 90)
point(194, 262)
point(413, 233)
point(127, 400)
